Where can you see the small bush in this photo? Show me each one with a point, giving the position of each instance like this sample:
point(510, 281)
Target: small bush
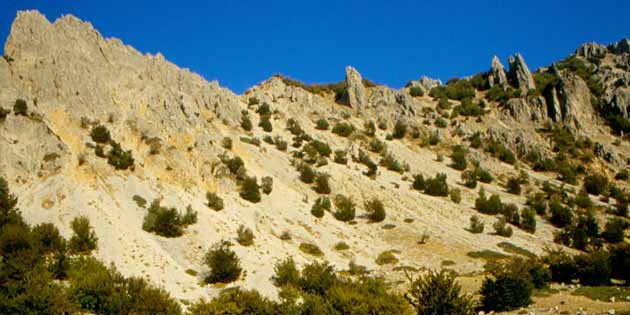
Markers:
point(436, 186)
point(528, 220)
point(20, 108)
point(250, 190)
point(164, 221)
point(286, 273)
point(266, 184)
point(341, 157)
point(341, 246)
point(560, 216)
point(214, 201)
point(141, 202)
point(226, 143)
point(391, 163)
point(459, 158)
point(418, 182)
point(593, 269)
point(562, 266)
point(501, 227)
point(344, 208)
point(595, 184)
point(508, 289)
point(83, 238)
point(620, 262)
point(223, 263)
point(321, 205)
point(322, 124)
point(100, 134)
point(492, 205)
point(476, 226)
point(441, 123)
point(245, 236)
point(400, 130)
point(439, 293)
point(386, 258)
point(375, 210)
point(416, 91)
point(311, 249)
point(246, 123)
point(614, 230)
point(321, 183)
point(469, 179)
point(343, 129)
point(514, 186)
point(281, 145)
point(120, 159)
point(307, 174)
point(456, 195)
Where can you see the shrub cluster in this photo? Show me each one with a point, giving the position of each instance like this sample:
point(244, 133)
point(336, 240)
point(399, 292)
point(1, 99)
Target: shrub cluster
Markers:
point(167, 222)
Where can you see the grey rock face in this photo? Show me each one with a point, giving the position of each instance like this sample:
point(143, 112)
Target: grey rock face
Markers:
point(355, 89)
point(519, 74)
point(589, 50)
point(428, 83)
point(497, 74)
point(622, 46)
point(575, 103)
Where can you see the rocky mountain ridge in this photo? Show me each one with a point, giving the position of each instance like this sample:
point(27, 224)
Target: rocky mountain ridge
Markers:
point(175, 123)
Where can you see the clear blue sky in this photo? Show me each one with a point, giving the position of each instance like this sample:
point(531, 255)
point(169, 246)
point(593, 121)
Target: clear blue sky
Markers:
point(242, 42)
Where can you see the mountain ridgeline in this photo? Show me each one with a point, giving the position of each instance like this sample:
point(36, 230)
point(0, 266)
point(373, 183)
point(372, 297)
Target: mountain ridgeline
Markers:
point(131, 186)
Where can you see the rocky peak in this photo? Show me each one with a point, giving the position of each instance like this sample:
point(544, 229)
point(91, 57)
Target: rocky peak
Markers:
point(355, 89)
point(620, 47)
point(589, 50)
point(497, 74)
point(519, 74)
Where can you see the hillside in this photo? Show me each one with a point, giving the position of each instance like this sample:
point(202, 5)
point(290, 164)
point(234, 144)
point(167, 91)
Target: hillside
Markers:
point(556, 125)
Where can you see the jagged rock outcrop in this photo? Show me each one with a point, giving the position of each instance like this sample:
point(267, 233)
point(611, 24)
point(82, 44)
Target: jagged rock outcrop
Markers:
point(620, 101)
point(497, 75)
point(428, 83)
point(590, 50)
point(620, 47)
point(575, 104)
point(354, 88)
point(519, 74)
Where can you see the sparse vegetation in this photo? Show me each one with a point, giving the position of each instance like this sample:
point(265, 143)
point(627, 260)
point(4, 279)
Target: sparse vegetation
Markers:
point(250, 190)
point(476, 226)
point(343, 129)
point(214, 201)
point(344, 208)
point(167, 222)
point(100, 134)
point(245, 236)
point(439, 293)
point(311, 249)
point(83, 238)
point(224, 265)
point(375, 210)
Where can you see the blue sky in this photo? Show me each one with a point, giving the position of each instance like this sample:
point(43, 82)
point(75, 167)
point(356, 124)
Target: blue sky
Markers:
point(242, 42)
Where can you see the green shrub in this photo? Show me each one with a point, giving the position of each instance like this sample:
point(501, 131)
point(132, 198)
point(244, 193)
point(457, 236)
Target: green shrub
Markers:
point(458, 157)
point(343, 129)
point(226, 143)
point(266, 184)
point(469, 179)
point(501, 228)
point(224, 265)
point(245, 236)
point(321, 204)
point(455, 89)
point(47, 236)
point(286, 273)
point(416, 91)
point(141, 202)
point(593, 269)
point(341, 246)
point(528, 220)
point(375, 210)
point(538, 203)
point(492, 205)
point(391, 163)
point(83, 238)
point(418, 182)
point(322, 124)
point(344, 208)
point(20, 107)
point(562, 266)
point(614, 230)
point(595, 184)
point(265, 124)
point(235, 301)
point(400, 130)
point(386, 258)
point(468, 108)
point(341, 157)
point(321, 183)
point(439, 293)
point(456, 195)
point(120, 159)
point(250, 190)
point(246, 123)
point(311, 249)
point(100, 134)
point(501, 152)
point(307, 174)
point(510, 212)
point(476, 226)
point(436, 186)
point(166, 222)
point(560, 216)
point(539, 273)
point(620, 262)
point(483, 175)
point(214, 201)
point(514, 186)
point(369, 128)
point(317, 278)
point(508, 289)
point(281, 145)
point(441, 122)
point(235, 164)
